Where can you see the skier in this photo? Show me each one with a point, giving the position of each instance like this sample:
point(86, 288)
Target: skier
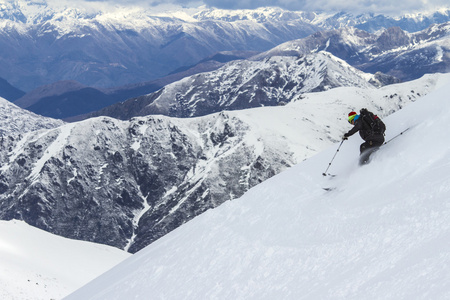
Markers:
point(371, 129)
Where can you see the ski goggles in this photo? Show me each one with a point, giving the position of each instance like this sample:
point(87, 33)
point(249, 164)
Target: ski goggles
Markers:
point(351, 118)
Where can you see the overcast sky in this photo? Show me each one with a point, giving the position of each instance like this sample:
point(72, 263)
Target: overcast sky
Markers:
point(375, 6)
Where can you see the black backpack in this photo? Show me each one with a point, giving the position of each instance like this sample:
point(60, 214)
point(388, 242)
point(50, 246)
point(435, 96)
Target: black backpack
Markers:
point(373, 121)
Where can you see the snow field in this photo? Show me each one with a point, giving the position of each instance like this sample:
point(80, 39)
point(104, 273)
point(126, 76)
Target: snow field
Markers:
point(35, 264)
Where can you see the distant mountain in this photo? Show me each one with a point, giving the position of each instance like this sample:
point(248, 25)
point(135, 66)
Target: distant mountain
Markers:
point(244, 84)
point(16, 123)
point(411, 22)
point(370, 22)
point(393, 51)
point(275, 76)
point(413, 55)
point(43, 44)
point(9, 92)
point(109, 47)
point(56, 89)
point(71, 100)
point(148, 175)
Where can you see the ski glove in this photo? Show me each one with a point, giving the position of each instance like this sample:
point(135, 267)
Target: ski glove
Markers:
point(345, 137)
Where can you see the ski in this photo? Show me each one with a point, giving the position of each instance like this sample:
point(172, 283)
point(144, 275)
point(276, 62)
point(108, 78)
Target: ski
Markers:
point(328, 174)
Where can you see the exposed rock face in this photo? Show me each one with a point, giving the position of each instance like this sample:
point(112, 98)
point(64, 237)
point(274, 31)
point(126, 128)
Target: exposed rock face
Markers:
point(128, 183)
point(391, 38)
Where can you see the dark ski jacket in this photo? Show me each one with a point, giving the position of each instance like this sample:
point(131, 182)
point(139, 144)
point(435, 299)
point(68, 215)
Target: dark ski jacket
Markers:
point(365, 131)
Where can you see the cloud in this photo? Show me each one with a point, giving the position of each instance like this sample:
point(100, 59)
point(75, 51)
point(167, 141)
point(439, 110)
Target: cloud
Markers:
point(360, 6)
point(376, 6)
point(356, 6)
point(242, 4)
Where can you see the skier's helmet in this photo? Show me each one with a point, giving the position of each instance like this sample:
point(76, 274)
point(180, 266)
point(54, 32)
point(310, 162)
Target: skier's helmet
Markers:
point(351, 116)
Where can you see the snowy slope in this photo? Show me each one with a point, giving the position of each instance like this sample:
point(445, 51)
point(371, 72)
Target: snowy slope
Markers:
point(15, 120)
point(35, 264)
point(383, 233)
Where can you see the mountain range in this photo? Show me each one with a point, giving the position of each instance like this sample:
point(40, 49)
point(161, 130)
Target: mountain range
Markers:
point(119, 53)
point(148, 175)
point(108, 48)
point(70, 100)
point(245, 84)
point(393, 52)
point(276, 76)
point(46, 43)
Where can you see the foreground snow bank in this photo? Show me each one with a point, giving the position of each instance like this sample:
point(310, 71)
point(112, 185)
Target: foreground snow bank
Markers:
point(35, 264)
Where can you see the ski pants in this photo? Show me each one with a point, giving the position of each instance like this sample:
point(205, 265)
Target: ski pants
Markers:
point(370, 145)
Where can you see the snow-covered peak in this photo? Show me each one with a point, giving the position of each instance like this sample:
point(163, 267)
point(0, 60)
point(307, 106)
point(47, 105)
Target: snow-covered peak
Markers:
point(15, 121)
point(259, 15)
point(34, 12)
point(437, 31)
point(393, 51)
point(245, 84)
point(420, 16)
point(347, 39)
point(68, 17)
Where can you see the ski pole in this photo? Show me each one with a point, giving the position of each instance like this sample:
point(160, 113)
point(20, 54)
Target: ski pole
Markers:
point(325, 173)
point(397, 135)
